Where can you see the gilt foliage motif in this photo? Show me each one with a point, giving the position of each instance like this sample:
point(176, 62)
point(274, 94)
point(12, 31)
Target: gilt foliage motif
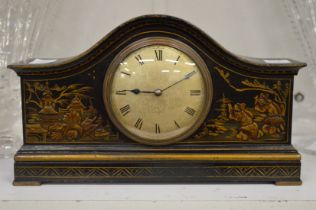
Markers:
point(62, 113)
point(260, 119)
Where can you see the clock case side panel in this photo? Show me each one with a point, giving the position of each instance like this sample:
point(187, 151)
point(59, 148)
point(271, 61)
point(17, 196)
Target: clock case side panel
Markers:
point(62, 110)
point(250, 108)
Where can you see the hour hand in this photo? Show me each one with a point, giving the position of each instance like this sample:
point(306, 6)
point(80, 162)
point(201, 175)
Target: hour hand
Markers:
point(135, 91)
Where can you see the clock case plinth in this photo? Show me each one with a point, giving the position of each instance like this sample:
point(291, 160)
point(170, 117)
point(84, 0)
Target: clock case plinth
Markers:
point(69, 138)
point(35, 165)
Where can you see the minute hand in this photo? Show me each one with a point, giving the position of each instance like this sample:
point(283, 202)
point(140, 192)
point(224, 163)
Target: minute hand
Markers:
point(187, 76)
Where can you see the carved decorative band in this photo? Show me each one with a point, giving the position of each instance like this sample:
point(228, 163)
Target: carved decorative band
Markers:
point(152, 172)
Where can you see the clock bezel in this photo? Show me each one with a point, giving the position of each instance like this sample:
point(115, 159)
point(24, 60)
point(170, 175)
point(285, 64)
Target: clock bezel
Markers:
point(165, 41)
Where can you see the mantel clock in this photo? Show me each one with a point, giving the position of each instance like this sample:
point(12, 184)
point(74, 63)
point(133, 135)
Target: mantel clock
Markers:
point(157, 101)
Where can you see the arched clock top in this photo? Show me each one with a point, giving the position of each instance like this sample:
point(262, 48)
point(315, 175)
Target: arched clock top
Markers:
point(155, 25)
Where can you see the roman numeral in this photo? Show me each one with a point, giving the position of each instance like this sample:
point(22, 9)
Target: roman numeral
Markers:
point(120, 92)
point(189, 111)
point(158, 54)
point(128, 74)
point(125, 109)
point(139, 123)
point(195, 92)
point(157, 128)
point(175, 122)
point(175, 63)
point(139, 59)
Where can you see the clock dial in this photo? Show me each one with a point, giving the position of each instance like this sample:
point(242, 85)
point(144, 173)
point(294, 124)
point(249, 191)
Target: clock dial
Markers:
point(157, 94)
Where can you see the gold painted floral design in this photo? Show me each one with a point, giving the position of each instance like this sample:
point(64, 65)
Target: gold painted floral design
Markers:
point(263, 120)
point(61, 113)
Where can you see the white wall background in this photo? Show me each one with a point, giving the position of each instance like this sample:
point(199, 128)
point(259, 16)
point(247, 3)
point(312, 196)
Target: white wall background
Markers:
point(257, 28)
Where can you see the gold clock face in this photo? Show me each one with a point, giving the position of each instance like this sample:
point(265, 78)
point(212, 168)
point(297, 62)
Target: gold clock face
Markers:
point(157, 91)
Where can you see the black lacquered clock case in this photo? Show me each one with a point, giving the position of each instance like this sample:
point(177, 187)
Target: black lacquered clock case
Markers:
point(69, 135)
